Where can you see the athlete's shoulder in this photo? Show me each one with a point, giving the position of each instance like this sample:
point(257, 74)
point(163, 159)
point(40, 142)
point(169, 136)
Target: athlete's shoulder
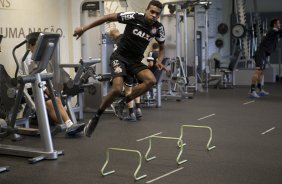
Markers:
point(160, 37)
point(124, 16)
point(159, 24)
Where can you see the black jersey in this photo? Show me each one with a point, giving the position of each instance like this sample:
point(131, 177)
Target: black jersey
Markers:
point(137, 35)
point(116, 41)
point(270, 41)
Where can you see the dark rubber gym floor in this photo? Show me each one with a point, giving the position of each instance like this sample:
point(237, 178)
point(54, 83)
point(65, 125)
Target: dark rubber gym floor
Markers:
point(247, 134)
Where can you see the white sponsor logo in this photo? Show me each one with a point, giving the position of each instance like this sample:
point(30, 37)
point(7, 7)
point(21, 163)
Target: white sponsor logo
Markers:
point(154, 30)
point(115, 63)
point(116, 66)
point(162, 32)
point(142, 34)
point(118, 69)
point(127, 16)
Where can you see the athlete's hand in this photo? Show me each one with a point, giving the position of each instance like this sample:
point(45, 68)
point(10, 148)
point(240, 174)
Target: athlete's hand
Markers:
point(162, 67)
point(150, 64)
point(78, 32)
point(159, 66)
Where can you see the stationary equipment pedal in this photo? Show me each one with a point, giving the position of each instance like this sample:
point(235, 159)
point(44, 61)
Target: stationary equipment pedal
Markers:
point(28, 131)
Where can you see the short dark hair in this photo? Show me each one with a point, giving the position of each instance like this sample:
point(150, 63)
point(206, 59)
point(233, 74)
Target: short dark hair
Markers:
point(32, 41)
point(273, 21)
point(155, 3)
point(31, 38)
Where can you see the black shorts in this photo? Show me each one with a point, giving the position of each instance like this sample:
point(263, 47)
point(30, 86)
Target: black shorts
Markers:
point(261, 59)
point(131, 81)
point(125, 67)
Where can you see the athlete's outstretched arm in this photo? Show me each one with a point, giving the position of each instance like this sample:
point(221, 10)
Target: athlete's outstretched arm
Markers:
point(106, 18)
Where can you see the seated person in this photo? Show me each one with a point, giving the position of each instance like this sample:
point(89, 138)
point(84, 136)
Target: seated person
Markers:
point(27, 67)
point(153, 57)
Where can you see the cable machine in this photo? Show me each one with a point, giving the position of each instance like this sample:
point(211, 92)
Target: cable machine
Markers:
point(183, 51)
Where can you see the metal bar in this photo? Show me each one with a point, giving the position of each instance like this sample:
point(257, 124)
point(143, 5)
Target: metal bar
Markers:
point(195, 52)
point(16, 106)
point(43, 121)
point(206, 48)
point(124, 150)
point(70, 110)
point(180, 144)
point(167, 138)
point(186, 41)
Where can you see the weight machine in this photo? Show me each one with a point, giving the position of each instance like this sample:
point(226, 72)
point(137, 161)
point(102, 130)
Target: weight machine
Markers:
point(9, 90)
point(44, 49)
point(85, 71)
point(182, 81)
point(3, 168)
point(101, 48)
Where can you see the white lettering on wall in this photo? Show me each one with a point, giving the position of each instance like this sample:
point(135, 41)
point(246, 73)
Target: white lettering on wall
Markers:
point(5, 4)
point(14, 32)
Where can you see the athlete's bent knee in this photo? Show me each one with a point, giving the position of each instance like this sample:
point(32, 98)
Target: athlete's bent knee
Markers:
point(116, 91)
point(150, 82)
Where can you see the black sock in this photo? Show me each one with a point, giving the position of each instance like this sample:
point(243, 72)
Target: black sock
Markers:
point(137, 105)
point(126, 99)
point(253, 87)
point(100, 112)
point(130, 110)
point(259, 86)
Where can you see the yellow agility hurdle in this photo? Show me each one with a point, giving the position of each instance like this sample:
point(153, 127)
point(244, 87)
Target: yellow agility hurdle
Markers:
point(181, 144)
point(123, 150)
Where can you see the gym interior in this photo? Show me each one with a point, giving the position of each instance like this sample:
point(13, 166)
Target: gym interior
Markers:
point(199, 124)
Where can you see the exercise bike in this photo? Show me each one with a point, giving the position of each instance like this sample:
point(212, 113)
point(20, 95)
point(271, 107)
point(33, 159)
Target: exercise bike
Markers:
point(44, 49)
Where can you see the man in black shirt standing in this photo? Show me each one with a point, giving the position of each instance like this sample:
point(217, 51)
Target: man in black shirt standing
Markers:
point(266, 47)
point(126, 60)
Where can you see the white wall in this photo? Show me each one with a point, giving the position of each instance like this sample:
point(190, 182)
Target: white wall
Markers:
point(20, 17)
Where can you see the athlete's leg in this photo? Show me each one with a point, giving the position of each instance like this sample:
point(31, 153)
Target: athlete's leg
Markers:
point(256, 78)
point(148, 80)
point(130, 105)
point(116, 89)
point(138, 111)
point(117, 71)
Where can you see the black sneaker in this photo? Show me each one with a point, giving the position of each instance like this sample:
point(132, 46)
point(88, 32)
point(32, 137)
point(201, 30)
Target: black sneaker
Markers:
point(131, 117)
point(75, 128)
point(90, 127)
point(118, 109)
